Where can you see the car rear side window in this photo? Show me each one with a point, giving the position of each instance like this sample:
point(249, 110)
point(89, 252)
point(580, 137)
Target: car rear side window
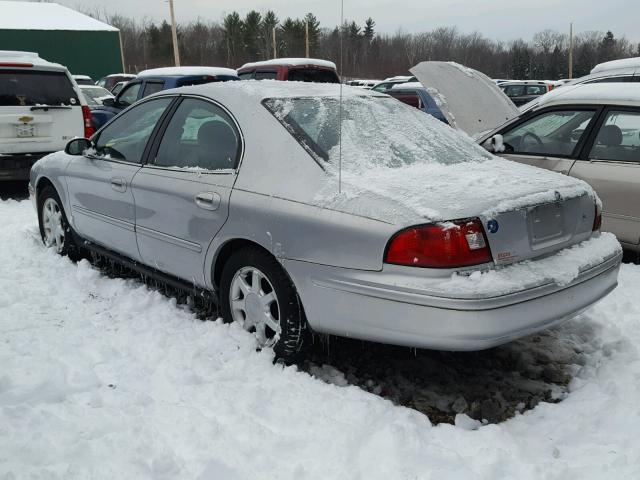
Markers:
point(126, 137)
point(409, 98)
point(619, 138)
point(152, 87)
point(31, 88)
point(553, 133)
point(266, 75)
point(313, 75)
point(200, 136)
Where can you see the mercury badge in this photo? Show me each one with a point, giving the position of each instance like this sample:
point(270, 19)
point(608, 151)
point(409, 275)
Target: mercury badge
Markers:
point(492, 226)
point(25, 119)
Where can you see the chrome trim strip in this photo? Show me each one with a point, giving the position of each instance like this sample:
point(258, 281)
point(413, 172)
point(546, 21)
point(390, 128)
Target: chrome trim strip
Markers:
point(104, 218)
point(194, 247)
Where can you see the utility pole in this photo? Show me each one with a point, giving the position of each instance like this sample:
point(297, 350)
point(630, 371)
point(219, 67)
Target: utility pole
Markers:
point(174, 35)
point(306, 38)
point(275, 54)
point(570, 50)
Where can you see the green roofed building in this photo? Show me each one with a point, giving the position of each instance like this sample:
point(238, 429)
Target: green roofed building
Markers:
point(59, 34)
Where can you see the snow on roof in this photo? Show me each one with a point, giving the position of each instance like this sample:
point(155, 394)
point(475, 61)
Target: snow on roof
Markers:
point(407, 86)
point(633, 62)
point(82, 77)
point(125, 75)
point(14, 56)
point(592, 93)
point(177, 71)
point(398, 78)
point(291, 62)
point(46, 16)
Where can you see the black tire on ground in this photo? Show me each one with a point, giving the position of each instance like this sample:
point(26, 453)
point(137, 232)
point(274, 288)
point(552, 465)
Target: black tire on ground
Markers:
point(295, 335)
point(69, 247)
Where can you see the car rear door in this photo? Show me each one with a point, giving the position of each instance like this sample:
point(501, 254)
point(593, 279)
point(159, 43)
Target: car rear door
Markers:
point(611, 165)
point(182, 192)
point(99, 183)
point(39, 111)
point(550, 138)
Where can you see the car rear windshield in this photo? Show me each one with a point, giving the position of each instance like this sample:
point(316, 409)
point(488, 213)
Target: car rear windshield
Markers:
point(376, 132)
point(30, 88)
point(313, 75)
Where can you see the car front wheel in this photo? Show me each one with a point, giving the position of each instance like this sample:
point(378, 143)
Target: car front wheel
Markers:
point(54, 228)
point(257, 293)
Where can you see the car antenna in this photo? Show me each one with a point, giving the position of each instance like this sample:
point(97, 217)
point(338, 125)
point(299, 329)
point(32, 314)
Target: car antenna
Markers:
point(340, 101)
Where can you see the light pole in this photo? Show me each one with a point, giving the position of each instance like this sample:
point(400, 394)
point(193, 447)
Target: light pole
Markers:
point(174, 35)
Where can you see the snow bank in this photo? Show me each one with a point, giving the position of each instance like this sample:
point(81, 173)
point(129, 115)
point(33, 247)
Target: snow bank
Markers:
point(103, 378)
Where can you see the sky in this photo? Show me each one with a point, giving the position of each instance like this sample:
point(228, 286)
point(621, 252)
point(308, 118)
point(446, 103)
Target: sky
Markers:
point(496, 19)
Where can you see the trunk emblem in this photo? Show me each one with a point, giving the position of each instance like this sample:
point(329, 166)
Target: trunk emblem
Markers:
point(25, 119)
point(492, 226)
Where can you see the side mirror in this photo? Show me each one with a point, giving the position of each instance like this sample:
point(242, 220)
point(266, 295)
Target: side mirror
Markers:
point(77, 146)
point(109, 102)
point(494, 144)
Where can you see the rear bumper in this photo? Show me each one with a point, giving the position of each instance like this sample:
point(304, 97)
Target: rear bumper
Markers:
point(354, 307)
point(18, 166)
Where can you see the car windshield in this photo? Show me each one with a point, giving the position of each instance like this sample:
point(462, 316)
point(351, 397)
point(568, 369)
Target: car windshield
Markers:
point(376, 132)
point(30, 88)
point(95, 95)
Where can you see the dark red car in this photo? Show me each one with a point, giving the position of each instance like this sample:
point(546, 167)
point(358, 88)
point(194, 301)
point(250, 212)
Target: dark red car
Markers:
point(291, 69)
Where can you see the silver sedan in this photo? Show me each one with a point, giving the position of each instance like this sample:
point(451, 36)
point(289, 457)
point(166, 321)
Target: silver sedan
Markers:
point(305, 209)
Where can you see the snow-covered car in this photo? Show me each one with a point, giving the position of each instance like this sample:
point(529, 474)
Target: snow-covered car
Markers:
point(615, 71)
point(291, 69)
point(415, 95)
point(41, 109)
point(404, 231)
point(109, 81)
point(590, 131)
point(83, 80)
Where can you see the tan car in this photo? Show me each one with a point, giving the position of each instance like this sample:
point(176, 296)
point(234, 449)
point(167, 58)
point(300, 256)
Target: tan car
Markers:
point(587, 131)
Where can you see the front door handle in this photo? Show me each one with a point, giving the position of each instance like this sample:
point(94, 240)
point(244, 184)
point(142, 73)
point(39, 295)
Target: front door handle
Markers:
point(208, 200)
point(119, 184)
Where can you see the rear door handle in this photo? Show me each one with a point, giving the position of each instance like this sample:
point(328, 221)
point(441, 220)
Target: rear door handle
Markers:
point(119, 184)
point(208, 200)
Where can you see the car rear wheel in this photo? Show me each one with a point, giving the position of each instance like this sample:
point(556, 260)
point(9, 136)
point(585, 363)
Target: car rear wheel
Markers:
point(54, 228)
point(256, 293)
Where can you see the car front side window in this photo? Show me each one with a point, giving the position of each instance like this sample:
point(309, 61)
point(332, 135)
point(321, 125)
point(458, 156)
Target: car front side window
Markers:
point(129, 95)
point(554, 133)
point(125, 138)
point(618, 138)
point(200, 136)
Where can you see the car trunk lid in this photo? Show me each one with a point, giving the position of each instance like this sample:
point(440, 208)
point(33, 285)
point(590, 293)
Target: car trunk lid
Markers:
point(469, 100)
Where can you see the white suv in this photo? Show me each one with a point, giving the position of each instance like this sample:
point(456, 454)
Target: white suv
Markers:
point(41, 109)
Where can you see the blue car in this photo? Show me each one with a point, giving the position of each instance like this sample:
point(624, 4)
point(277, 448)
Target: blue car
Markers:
point(155, 80)
point(415, 95)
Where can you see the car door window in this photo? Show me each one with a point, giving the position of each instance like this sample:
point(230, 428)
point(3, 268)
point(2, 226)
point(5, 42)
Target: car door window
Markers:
point(200, 136)
point(266, 75)
point(554, 133)
point(125, 138)
point(129, 95)
point(618, 138)
point(152, 87)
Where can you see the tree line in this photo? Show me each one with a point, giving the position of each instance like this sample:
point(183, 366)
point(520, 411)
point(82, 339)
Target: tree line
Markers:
point(365, 52)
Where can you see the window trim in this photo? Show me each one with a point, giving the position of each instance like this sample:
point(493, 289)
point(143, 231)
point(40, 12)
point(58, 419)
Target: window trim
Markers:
point(578, 149)
point(588, 146)
point(151, 152)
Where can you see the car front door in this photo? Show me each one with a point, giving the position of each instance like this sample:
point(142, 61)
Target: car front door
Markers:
point(182, 193)
point(549, 139)
point(612, 167)
point(99, 183)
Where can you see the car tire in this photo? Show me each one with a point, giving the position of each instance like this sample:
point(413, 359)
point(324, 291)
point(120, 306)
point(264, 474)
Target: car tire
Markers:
point(265, 306)
point(54, 227)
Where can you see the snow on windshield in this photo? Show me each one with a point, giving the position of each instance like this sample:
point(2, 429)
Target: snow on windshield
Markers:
point(376, 132)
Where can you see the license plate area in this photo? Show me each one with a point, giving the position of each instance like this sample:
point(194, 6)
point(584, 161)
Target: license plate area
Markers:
point(546, 223)
point(25, 130)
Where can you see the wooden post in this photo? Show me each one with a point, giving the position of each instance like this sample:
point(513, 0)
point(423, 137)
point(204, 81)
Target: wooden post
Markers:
point(275, 54)
point(570, 50)
point(306, 38)
point(174, 35)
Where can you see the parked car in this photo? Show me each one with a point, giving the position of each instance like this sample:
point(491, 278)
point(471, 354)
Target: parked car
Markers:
point(95, 94)
point(615, 71)
point(384, 239)
point(40, 111)
point(117, 88)
point(587, 131)
point(523, 91)
point(367, 84)
point(415, 95)
point(391, 82)
point(291, 69)
point(155, 80)
point(83, 80)
point(110, 80)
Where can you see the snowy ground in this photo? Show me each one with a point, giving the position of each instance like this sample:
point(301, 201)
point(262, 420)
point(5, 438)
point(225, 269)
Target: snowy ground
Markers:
point(103, 378)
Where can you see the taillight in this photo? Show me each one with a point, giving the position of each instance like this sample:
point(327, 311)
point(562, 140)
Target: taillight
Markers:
point(16, 64)
point(441, 245)
point(597, 220)
point(89, 130)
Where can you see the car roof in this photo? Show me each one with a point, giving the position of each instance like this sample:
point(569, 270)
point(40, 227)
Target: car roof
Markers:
point(523, 82)
point(187, 71)
point(633, 62)
point(291, 62)
point(28, 59)
point(590, 94)
point(125, 75)
point(408, 86)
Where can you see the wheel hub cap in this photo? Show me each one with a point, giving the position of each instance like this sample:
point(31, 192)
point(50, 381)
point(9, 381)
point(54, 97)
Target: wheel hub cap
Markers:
point(52, 225)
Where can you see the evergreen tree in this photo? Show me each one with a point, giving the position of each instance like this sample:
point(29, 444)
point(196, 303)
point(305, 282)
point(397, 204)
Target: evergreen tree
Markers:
point(269, 22)
point(233, 27)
